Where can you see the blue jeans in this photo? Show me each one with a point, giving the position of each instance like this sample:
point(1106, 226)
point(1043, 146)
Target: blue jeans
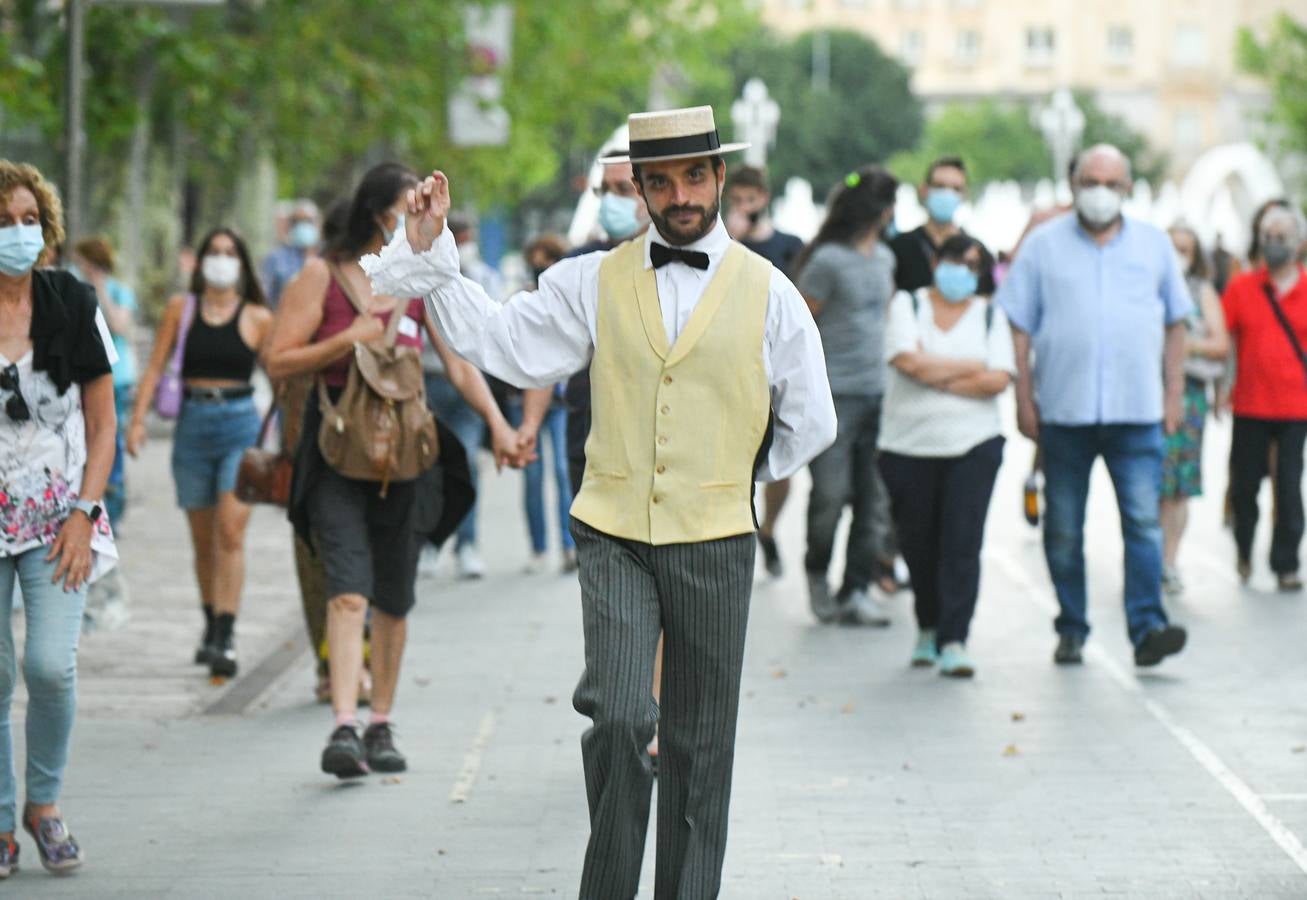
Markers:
point(553, 430)
point(1133, 454)
point(115, 491)
point(451, 409)
point(54, 622)
point(207, 446)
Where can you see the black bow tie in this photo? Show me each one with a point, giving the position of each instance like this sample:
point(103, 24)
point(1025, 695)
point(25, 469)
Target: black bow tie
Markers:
point(661, 255)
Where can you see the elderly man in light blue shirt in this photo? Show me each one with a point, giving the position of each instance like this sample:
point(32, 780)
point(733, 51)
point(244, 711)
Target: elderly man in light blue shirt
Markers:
point(1101, 301)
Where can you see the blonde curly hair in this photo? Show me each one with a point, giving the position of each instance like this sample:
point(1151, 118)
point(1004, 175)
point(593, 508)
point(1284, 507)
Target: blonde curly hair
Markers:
point(15, 175)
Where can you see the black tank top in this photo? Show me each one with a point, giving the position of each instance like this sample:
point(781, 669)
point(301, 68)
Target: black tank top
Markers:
point(217, 351)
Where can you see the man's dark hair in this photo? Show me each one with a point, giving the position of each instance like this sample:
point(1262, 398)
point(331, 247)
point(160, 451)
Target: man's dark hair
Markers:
point(747, 176)
point(715, 161)
point(945, 162)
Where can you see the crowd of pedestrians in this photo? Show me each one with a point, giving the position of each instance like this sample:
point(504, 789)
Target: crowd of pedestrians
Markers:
point(875, 359)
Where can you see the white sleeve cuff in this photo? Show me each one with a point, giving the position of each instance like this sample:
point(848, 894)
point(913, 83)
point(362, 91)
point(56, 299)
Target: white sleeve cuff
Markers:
point(399, 272)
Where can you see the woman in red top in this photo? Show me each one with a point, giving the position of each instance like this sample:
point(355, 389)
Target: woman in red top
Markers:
point(1266, 313)
point(368, 543)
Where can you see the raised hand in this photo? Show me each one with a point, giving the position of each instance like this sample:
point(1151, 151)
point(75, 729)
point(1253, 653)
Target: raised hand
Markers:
point(428, 207)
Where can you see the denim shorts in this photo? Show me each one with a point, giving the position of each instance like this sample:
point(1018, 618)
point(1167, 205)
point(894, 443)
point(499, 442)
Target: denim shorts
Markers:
point(207, 445)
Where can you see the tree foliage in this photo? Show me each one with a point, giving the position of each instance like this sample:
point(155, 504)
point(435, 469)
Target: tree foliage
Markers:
point(1000, 142)
point(1280, 59)
point(864, 113)
point(325, 86)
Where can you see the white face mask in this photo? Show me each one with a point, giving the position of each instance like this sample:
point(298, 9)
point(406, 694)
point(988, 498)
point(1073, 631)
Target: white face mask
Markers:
point(220, 271)
point(1099, 206)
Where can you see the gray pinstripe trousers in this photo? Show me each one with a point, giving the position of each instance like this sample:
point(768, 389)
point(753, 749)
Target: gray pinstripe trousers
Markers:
point(698, 596)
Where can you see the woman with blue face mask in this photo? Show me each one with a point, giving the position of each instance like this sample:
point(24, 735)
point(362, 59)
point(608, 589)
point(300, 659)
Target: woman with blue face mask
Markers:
point(951, 356)
point(56, 450)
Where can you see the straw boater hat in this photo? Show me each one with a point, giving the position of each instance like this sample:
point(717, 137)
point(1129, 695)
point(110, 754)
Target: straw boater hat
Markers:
point(673, 134)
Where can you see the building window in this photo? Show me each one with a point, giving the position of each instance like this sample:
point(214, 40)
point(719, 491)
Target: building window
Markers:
point(911, 45)
point(1189, 46)
point(1187, 132)
point(909, 4)
point(1041, 43)
point(1120, 45)
point(854, 4)
point(968, 47)
point(966, 4)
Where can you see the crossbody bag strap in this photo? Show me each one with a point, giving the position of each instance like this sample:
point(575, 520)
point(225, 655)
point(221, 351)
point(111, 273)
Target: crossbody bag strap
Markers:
point(1284, 324)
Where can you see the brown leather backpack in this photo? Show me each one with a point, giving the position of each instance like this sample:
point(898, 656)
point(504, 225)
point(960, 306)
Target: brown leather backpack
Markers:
point(380, 429)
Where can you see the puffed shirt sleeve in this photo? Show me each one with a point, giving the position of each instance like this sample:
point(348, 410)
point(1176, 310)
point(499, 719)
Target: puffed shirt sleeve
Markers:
point(1019, 296)
point(534, 340)
point(801, 401)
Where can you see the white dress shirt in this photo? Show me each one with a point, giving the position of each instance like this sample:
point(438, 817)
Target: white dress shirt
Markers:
point(541, 337)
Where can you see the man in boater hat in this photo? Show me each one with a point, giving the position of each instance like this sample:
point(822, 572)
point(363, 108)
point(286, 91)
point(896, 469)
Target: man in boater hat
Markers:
point(706, 372)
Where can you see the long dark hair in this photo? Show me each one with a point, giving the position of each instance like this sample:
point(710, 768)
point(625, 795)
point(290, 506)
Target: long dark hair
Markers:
point(248, 287)
point(1199, 267)
point(856, 207)
point(374, 196)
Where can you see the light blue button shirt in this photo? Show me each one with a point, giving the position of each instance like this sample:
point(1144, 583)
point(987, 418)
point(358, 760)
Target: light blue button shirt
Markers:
point(1097, 318)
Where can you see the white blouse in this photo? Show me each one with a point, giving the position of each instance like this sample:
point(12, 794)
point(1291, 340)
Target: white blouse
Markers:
point(920, 420)
point(41, 465)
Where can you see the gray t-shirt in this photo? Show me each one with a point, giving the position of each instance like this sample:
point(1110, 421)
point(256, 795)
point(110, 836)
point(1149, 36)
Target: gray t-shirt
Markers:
point(854, 291)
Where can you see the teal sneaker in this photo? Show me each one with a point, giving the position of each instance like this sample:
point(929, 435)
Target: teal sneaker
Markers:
point(954, 662)
point(925, 654)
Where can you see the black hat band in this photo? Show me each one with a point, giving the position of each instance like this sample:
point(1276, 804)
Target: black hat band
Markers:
point(706, 143)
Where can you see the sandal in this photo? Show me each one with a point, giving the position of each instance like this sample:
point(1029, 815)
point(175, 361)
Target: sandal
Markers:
point(57, 848)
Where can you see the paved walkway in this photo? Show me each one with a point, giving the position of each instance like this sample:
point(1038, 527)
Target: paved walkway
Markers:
point(856, 777)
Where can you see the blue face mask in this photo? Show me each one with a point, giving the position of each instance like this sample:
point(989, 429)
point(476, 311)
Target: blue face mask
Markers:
point(942, 204)
point(388, 234)
point(20, 248)
point(617, 216)
point(955, 281)
point(304, 235)
point(891, 231)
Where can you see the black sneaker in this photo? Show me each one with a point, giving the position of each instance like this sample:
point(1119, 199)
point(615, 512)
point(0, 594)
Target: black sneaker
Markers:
point(1068, 650)
point(1160, 643)
point(380, 744)
point(344, 756)
point(222, 658)
point(204, 652)
point(771, 557)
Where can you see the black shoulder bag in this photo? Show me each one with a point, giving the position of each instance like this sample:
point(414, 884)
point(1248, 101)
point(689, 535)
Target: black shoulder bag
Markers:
point(1284, 324)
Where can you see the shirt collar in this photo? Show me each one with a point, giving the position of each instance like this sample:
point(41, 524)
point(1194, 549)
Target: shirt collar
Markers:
point(714, 243)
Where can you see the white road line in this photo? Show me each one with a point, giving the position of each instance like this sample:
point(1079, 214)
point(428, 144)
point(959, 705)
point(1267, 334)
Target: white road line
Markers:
point(1205, 756)
point(1284, 798)
point(472, 760)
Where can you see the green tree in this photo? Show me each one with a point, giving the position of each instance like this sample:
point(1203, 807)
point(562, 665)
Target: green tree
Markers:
point(1000, 142)
point(1280, 59)
point(862, 111)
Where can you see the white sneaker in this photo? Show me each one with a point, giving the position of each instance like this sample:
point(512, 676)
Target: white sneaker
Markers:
point(429, 562)
point(861, 608)
point(537, 564)
point(470, 565)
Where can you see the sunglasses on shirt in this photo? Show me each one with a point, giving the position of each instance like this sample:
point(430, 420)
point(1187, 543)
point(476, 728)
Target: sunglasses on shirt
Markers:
point(15, 407)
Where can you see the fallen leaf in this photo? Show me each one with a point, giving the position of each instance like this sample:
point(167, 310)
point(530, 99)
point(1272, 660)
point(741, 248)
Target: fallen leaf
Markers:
point(846, 708)
point(422, 682)
point(1300, 749)
point(551, 700)
point(779, 673)
point(1018, 717)
point(1011, 750)
point(391, 779)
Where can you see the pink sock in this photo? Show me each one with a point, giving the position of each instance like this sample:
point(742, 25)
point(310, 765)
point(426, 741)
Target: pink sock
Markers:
point(380, 718)
point(348, 718)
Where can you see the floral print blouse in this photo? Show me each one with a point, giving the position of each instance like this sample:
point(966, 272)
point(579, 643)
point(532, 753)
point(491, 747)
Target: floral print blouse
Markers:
point(41, 464)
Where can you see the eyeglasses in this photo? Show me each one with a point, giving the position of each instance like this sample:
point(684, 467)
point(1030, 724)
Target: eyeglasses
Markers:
point(15, 407)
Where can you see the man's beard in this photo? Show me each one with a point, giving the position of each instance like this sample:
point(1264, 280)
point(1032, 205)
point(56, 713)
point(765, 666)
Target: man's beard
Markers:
point(679, 237)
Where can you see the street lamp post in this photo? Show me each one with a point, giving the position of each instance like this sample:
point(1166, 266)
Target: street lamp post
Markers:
point(74, 132)
point(755, 116)
point(1062, 124)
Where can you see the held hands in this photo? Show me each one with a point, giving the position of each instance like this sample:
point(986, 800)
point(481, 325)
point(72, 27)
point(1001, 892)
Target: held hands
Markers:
point(428, 207)
point(511, 447)
point(73, 550)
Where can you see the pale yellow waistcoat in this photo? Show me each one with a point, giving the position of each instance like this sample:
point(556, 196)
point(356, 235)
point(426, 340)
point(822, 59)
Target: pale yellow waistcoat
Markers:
point(675, 431)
